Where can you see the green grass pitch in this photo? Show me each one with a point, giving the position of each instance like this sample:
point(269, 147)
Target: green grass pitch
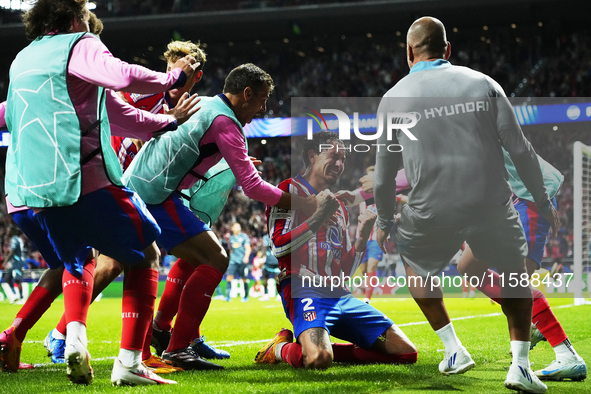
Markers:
point(242, 328)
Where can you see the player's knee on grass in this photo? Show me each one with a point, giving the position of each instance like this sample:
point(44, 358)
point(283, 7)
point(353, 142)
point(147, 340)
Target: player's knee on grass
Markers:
point(316, 348)
point(318, 359)
point(394, 341)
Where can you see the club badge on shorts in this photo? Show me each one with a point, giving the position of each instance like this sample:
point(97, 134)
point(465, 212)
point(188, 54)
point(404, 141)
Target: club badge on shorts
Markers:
point(310, 316)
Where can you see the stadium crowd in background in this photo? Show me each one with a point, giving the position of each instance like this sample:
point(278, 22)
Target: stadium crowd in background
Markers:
point(312, 75)
point(563, 57)
point(277, 164)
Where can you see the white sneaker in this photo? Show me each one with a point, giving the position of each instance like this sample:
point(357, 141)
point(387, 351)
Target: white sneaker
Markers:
point(264, 297)
point(366, 300)
point(523, 379)
point(140, 375)
point(78, 367)
point(456, 362)
point(574, 369)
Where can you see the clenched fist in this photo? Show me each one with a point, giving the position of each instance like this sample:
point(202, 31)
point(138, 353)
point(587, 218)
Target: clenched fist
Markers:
point(366, 222)
point(326, 205)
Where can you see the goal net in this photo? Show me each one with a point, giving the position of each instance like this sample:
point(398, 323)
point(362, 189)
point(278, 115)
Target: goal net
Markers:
point(581, 221)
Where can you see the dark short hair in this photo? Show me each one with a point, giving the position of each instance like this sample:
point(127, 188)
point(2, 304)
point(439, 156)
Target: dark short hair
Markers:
point(322, 137)
point(48, 16)
point(247, 75)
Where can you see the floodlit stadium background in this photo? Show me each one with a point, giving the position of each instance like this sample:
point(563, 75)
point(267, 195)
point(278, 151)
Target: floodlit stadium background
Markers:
point(329, 48)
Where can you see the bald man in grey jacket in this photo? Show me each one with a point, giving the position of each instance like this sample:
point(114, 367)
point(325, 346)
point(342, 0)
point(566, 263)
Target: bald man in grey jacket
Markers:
point(454, 163)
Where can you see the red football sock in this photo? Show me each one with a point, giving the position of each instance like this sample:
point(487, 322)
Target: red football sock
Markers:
point(61, 325)
point(369, 288)
point(177, 277)
point(139, 294)
point(146, 352)
point(194, 304)
point(78, 293)
point(545, 321)
point(349, 353)
point(491, 290)
point(37, 304)
point(291, 353)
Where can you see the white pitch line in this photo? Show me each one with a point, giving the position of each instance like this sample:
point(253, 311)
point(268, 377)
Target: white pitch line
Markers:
point(418, 323)
point(92, 359)
point(88, 341)
point(564, 306)
point(239, 343)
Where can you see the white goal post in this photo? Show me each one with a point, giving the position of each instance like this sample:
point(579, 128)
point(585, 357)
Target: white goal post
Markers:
point(581, 220)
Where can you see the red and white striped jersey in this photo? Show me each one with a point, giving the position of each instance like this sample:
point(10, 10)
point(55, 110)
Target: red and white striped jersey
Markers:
point(125, 150)
point(124, 147)
point(329, 252)
point(153, 103)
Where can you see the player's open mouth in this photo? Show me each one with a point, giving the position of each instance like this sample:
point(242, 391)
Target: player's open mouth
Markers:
point(334, 172)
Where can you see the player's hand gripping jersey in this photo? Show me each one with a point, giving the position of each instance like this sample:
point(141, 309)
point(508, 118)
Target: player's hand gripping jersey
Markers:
point(124, 147)
point(329, 252)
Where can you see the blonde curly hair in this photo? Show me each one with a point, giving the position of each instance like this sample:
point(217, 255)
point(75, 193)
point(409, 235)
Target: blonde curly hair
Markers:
point(178, 49)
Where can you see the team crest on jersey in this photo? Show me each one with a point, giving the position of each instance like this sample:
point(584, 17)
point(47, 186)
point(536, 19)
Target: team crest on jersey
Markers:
point(333, 236)
point(310, 316)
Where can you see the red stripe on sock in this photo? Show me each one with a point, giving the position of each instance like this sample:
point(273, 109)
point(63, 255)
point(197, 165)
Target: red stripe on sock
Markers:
point(78, 293)
point(545, 321)
point(139, 295)
point(291, 353)
point(176, 280)
point(193, 306)
point(38, 302)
